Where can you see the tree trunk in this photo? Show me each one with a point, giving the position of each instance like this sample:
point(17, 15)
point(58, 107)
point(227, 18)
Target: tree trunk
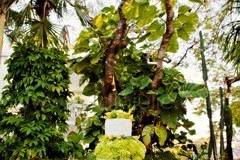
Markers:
point(2, 25)
point(212, 147)
point(164, 44)
point(221, 124)
point(162, 51)
point(118, 42)
point(228, 117)
point(229, 129)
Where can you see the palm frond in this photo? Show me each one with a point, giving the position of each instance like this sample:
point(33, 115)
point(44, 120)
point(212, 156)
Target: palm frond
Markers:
point(44, 33)
point(82, 13)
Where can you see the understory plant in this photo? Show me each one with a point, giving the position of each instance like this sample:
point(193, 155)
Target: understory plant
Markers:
point(119, 114)
point(34, 108)
point(127, 148)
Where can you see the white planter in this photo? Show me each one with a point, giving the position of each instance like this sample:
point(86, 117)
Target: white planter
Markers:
point(118, 127)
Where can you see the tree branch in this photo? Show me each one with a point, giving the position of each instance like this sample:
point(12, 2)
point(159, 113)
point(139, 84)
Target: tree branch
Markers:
point(164, 44)
point(118, 42)
point(229, 81)
point(185, 54)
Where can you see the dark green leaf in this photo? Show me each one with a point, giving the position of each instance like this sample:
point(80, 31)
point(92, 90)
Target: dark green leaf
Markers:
point(167, 98)
point(128, 90)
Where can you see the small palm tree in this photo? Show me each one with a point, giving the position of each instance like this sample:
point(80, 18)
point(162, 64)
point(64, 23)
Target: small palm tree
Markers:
point(33, 20)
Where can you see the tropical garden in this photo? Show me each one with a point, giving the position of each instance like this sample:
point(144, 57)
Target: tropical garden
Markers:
point(146, 68)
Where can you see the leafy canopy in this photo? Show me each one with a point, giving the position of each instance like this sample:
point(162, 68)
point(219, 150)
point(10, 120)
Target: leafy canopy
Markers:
point(34, 104)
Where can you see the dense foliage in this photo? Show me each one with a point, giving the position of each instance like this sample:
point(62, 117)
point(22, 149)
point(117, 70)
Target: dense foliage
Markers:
point(156, 123)
point(35, 104)
point(119, 148)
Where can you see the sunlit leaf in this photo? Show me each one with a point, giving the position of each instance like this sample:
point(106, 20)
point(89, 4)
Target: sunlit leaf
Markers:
point(147, 132)
point(161, 132)
point(156, 30)
point(191, 90)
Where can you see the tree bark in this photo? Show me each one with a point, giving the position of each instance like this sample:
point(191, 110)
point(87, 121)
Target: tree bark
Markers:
point(2, 25)
point(228, 117)
point(229, 129)
point(164, 44)
point(118, 42)
point(221, 124)
point(212, 147)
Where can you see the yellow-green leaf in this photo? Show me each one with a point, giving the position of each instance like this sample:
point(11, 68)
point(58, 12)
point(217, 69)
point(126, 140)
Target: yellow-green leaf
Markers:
point(161, 132)
point(99, 21)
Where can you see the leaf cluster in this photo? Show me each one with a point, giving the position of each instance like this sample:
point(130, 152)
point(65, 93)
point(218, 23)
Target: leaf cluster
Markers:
point(34, 108)
point(120, 148)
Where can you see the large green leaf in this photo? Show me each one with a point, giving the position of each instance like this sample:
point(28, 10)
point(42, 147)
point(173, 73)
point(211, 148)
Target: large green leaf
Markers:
point(167, 98)
point(74, 137)
point(184, 9)
point(98, 22)
point(161, 132)
point(156, 30)
point(147, 132)
point(169, 118)
point(192, 90)
point(82, 44)
point(172, 75)
point(142, 81)
point(173, 44)
point(128, 90)
point(147, 14)
point(185, 23)
point(131, 10)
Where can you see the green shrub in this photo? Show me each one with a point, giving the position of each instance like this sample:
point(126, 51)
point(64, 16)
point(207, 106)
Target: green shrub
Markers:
point(120, 149)
point(119, 114)
point(34, 105)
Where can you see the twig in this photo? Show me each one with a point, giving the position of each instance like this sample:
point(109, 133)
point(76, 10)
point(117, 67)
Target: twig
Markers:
point(185, 54)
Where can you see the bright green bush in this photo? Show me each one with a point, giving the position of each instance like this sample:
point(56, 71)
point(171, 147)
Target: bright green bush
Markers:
point(120, 149)
point(34, 109)
point(119, 114)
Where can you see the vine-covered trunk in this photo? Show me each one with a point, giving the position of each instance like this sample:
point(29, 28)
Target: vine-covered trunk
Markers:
point(2, 25)
point(162, 50)
point(221, 125)
point(118, 42)
point(212, 148)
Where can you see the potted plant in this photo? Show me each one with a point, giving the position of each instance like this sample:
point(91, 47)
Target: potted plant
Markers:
point(127, 148)
point(118, 123)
